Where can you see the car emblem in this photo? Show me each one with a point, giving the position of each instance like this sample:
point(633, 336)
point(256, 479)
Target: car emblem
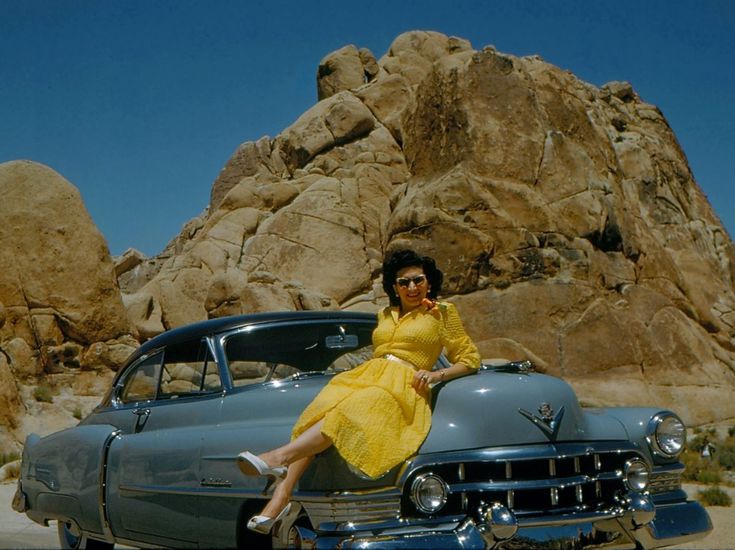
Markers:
point(548, 423)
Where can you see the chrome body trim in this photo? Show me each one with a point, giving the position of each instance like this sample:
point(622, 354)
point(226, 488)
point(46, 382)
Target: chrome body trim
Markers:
point(572, 475)
point(505, 454)
point(351, 507)
point(665, 479)
point(613, 529)
point(104, 516)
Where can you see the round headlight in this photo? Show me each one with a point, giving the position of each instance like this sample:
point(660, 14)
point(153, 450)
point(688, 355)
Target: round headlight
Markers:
point(636, 474)
point(667, 434)
point(429, 493)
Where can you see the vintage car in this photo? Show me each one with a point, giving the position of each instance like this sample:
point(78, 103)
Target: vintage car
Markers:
point(512, 459)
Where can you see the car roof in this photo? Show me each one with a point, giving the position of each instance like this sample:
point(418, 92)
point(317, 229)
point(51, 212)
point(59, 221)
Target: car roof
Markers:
point(225, 324)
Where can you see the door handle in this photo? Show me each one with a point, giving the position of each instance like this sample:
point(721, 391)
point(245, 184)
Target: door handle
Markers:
point(143, 415)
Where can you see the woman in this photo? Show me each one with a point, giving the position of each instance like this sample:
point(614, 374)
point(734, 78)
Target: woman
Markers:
point(377, 414)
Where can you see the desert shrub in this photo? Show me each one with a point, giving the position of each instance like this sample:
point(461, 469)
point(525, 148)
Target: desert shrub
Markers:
point(11, 471)
point(700, 470)
point(725, 453)
point(691, 460)
point(43, 394)
point(731, 431)
point(78, 413)
point(714, 496)
point(709, 475)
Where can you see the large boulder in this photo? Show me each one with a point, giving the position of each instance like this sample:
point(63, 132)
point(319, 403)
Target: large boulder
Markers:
point(58, 290)
point(57, 270)
point(346, 69)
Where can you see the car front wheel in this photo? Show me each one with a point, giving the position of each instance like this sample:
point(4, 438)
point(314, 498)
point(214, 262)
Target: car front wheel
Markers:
point(71, 539)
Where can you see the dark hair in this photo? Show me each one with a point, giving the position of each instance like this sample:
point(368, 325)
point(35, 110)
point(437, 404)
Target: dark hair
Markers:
point(397, 260)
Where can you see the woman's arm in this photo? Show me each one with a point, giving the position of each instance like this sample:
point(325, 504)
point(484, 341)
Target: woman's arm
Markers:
point(461, 351)
point(425, 379)
point(455, 371)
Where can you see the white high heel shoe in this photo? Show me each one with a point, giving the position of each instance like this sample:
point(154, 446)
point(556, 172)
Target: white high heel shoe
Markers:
point(264, 524)
point(253, 465)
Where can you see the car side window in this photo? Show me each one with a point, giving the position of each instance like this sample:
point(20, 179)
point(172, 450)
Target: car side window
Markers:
point(188, 369)
point(142, 382)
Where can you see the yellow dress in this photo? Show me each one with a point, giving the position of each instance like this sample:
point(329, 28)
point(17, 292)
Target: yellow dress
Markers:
point(372, 413)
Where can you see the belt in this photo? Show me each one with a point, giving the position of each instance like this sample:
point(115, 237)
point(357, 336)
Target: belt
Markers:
point(392, 357)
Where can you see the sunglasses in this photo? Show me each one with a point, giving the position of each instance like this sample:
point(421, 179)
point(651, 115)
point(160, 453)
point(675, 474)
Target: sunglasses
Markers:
point(405, 282)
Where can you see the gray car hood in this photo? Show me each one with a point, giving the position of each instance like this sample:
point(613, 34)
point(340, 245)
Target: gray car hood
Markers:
point(485, 410)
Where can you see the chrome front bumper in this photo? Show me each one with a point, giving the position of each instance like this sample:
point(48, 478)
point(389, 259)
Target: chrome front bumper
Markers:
point(636, 525)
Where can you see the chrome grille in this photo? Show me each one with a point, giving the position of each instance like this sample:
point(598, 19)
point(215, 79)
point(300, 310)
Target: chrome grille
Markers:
point(531, 481)
point(347, 509)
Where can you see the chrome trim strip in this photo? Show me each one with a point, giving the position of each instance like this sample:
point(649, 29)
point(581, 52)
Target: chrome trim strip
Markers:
point(579, 494)
point(665, 479)
point(102, 483)
point(676, 468)
point(340, 497)
point(570, 519)
point(403, 524)
point(321, 513)
point(541, 483)
point(360, 494)
point(450, 522)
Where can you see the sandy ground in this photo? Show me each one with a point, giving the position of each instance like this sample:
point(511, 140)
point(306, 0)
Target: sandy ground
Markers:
point(723, 520)
point(17, 531)
point(723, 534)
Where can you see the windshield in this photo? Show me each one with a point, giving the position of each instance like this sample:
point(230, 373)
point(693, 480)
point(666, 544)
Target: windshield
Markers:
point(259, 354)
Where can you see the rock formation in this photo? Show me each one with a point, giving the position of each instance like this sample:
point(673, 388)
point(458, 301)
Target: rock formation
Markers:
point(60, 306)
point(569, 226)
point(565, 216)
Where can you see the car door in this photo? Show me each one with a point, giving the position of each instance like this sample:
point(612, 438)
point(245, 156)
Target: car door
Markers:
point(273, 371)
point(163, 406)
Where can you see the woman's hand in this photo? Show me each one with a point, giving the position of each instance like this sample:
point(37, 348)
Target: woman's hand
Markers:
point(424, 379)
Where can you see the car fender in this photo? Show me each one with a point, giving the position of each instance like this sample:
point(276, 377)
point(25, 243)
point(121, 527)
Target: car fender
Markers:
point(61, 475)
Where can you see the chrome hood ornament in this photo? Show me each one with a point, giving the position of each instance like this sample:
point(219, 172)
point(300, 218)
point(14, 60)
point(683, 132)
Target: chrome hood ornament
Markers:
point(548, 422)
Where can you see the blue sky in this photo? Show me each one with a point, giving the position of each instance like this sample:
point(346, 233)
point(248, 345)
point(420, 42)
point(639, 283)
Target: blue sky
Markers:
point(139, 103)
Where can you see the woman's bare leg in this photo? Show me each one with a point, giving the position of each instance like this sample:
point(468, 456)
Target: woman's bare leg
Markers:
point(284, 490)
point(308, 444)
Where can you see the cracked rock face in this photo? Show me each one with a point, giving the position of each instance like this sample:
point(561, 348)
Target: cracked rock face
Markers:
point(565, 217)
